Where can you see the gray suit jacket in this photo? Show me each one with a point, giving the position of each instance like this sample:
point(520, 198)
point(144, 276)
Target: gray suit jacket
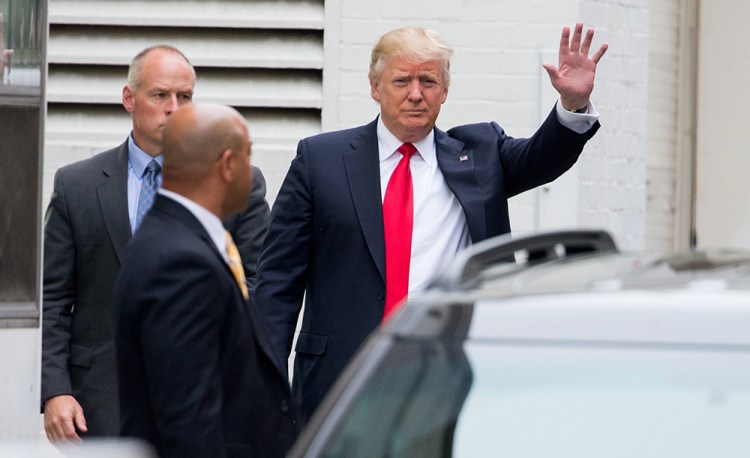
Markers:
point(86, 233)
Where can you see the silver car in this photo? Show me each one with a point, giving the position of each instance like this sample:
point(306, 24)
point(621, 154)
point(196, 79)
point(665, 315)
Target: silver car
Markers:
point(554, 345)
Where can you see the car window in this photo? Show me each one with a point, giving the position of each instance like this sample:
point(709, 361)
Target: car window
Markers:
point(527, 399)
point(409, 406)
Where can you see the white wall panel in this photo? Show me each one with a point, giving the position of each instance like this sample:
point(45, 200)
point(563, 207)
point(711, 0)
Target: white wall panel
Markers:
point(661, 160)
point(722, 145)
point(274, 14)
point(249, 88)
point(238, 47)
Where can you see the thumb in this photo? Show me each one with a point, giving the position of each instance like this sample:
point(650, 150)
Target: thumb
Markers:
point(80, 419)
point(551, 70)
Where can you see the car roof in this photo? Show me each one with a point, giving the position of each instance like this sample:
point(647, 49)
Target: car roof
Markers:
point(589, 295)
point(583, 261)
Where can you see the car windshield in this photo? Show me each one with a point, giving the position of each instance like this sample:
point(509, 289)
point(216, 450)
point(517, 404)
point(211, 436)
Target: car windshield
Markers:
point(532, 399)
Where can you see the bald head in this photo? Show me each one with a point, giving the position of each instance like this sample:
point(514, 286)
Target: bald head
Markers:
point(196, 135)
point(206, 150)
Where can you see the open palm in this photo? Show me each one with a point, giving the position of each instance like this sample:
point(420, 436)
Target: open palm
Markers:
point(573, 78)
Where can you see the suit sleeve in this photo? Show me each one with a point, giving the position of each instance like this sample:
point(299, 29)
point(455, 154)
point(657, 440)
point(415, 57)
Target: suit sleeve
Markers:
point(285, 259)
point(248, 229)
point(550, 152)
point(58, 293)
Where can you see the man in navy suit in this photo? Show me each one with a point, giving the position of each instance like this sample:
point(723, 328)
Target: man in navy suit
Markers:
point(333, 235)
point(196, 370)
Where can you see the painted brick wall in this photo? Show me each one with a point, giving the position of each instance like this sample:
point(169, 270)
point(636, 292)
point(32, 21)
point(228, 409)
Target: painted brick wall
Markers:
point(613, 171)
point(662, 158)
point(496, 75)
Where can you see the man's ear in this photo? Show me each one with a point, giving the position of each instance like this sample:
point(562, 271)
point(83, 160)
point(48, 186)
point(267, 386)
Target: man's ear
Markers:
point(226, 165)
point(128, 98)
point(374, 90)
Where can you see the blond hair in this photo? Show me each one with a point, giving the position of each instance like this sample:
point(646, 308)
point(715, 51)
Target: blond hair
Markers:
point(416, 45)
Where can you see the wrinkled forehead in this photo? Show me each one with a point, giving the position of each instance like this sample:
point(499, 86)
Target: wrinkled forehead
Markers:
point(395, 67)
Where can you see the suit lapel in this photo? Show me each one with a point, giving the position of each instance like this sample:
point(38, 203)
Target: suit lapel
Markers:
point(457, 165)
point(113, 201)
point(363, 174)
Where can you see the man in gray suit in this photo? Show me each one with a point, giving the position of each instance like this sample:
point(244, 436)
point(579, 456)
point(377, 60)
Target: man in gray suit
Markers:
point(95, 208)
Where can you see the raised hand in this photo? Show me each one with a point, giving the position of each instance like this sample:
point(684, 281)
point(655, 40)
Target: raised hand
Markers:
point(573, 78)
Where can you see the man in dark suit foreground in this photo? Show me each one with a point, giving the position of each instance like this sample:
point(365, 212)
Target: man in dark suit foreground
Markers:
point(195, 367)
point(367, 216)
point(92, 214)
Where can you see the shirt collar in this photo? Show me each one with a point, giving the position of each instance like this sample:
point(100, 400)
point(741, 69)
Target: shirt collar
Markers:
point(138, 158)
point(388, 144)
point(208, 220)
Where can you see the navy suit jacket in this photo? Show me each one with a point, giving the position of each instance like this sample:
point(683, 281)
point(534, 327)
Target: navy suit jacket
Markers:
point(86, 233)
point(325, 238)
point(195, 368)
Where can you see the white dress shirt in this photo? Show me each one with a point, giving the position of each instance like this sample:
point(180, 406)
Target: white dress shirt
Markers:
point(440, 228)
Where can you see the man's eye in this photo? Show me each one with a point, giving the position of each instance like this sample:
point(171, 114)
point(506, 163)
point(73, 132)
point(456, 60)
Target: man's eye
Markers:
point(429, 83)
point(185, 97)
point(400, 82)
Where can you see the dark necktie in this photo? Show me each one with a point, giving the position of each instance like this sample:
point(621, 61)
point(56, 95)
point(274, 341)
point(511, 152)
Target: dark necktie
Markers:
point(398, 222)
point(149, 184)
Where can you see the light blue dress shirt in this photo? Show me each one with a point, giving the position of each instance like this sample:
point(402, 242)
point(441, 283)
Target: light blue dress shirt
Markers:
point(137, 162)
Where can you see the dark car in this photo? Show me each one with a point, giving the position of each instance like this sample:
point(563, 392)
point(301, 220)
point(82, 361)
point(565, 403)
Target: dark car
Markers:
point(553, 345)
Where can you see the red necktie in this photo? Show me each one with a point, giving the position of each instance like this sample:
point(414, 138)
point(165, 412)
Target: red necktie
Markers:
point(398, 222)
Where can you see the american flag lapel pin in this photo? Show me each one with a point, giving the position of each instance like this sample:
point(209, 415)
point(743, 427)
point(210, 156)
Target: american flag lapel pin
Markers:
point(463, 158)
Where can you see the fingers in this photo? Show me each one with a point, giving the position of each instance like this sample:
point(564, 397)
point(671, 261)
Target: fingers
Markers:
point(80, 421)
point(600, 53)
point(61, 415)
point(69, 430)
point(575, 44)
point(565, 41)
point(60, 429)
point(586, 45)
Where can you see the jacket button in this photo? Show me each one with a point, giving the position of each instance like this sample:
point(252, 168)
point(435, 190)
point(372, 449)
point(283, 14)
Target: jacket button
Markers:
point(285, 406)
point(381, 296)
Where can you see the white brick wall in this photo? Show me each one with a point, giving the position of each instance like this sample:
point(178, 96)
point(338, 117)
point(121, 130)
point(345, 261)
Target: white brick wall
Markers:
point(496, 75)
point(613, 169)
point(661, 160)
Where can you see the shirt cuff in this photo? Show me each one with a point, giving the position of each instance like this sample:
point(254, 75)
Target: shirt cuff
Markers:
point(577, 122)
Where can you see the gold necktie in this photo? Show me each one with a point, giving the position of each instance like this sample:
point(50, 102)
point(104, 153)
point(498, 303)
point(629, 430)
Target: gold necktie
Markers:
point(235, 265)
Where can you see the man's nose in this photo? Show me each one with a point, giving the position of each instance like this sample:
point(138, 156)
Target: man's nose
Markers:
point(415, 90)
point(172, 104)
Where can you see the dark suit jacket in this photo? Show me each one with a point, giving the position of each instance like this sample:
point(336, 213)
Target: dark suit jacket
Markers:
point(195, 370)
point(85, 235)
point(325, 237)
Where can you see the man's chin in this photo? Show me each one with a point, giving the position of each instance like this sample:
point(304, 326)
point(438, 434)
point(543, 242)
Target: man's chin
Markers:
point(421, 125)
